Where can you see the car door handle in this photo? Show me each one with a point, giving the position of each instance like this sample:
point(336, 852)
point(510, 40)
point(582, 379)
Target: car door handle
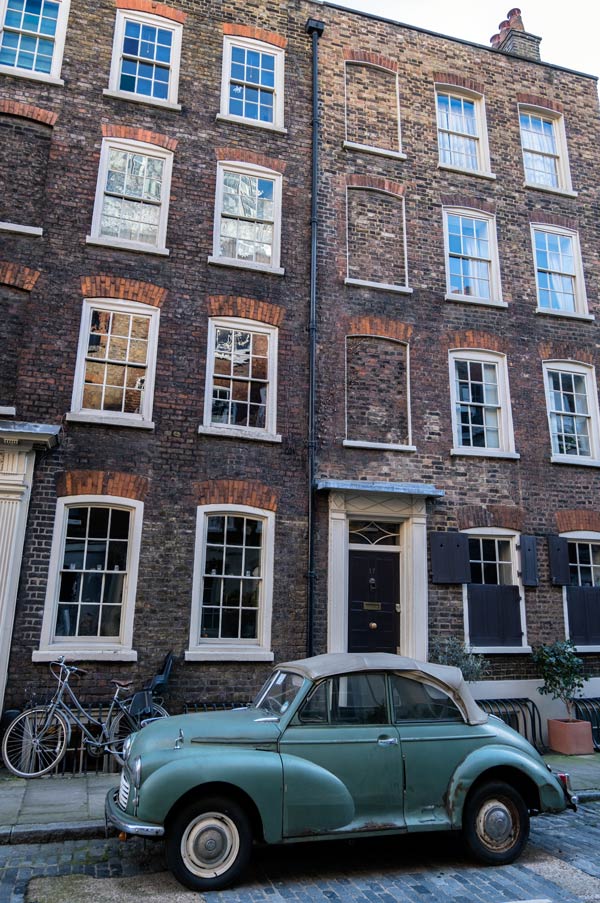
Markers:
point(387, 741)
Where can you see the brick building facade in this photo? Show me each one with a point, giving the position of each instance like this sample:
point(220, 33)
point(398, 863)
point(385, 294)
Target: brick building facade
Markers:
point(156, 397)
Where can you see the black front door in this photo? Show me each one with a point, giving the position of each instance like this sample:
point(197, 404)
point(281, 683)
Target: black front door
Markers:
point(373, 597)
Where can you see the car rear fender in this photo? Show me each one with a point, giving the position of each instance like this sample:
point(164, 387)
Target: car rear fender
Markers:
point(538, 786)
point(250, 773)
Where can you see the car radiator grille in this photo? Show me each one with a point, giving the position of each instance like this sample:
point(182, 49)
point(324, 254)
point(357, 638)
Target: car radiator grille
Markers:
point(123, 791)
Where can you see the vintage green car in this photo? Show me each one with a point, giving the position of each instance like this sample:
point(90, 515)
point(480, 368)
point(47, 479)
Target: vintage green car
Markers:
point(333, 746)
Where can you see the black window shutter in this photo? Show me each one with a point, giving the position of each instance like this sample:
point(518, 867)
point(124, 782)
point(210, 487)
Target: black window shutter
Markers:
point(449, 557)
point(583, 606)
point(494, 615)
point(558, 553)
point(529, 569)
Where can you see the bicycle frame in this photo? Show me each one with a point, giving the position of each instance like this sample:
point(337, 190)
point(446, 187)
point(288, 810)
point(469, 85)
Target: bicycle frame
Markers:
point(73, 714)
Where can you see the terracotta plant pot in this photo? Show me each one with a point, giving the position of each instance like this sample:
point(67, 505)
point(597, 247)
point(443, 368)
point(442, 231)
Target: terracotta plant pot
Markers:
point(570, 737)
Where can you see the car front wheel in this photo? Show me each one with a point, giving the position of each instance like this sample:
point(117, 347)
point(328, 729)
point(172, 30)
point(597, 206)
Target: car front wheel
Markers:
point(208, 844)
point(495, 823)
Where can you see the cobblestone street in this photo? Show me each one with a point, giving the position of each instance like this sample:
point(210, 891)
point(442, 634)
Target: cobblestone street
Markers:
point(561, 865)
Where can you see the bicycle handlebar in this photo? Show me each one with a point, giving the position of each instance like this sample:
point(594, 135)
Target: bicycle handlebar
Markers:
point(70, 669)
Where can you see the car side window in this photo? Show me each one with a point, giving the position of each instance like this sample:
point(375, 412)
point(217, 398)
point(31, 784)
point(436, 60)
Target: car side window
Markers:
point(347, 699)
point(414, 701)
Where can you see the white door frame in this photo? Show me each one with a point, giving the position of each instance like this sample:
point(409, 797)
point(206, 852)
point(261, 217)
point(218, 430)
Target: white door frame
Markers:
point(17, 458)
point(410, 512)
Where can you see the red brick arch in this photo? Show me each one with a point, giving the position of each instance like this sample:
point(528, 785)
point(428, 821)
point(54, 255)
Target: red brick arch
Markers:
point(380, 326)
point(17, 276)
point(577, 519)
point(105, 286)
point(245, 308)
point(156, 9)
point(101, 482)
point(507, 517)
point(475, 339)
point(370, 59)
point(27, 111)
point(236, 492)
point(256, 34)
point(238, 155)
point(129, 133)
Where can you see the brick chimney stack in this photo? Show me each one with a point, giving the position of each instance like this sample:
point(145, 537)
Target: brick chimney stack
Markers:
point(512, 38)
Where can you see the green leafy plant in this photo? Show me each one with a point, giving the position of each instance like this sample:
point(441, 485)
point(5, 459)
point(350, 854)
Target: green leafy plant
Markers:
point(561, 669)
point(452, 651)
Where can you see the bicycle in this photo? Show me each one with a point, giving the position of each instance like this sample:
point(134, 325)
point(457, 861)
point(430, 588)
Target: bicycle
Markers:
point(36, 741)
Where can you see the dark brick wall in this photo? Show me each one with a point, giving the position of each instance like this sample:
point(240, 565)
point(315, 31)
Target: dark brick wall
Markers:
point(173, 458)
point(25, 149)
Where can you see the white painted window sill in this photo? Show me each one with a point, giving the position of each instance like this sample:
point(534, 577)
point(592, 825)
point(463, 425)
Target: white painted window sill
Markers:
point(76, 654)
point(125, 245)
point(469, 299)
point(245, 265)
point(380, 286)
point(140, 98)
point(32, 76)
point(569, 314)
point(468, 172)
point(485, 453)
point(34, 231)
point(228, 432)
point(563, 192)
point(7, 411)
point(108, 420)
point(371, 149)
point(255, 124)
point(500, 650)
point(576, 460)
point(384, 446)
point(229, 654)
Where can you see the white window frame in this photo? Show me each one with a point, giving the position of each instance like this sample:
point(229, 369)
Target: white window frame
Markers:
point(231, 41)
point(581, 306)
point(87, 648)
point(481, 138)
point(513, 537)
point(505, 422)
point(128, 15)
point(589, 374)
point(269, 432)
point(495, 299)
point(113, 418)
point(371, 148)
point(577, 536)
point(563, 170)
point(259, 172)
point(132, 147)
point(53, 77)
point(228, 650)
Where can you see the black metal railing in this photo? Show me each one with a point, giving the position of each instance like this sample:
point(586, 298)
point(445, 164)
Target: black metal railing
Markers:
point(521, 714)
point(589, 710)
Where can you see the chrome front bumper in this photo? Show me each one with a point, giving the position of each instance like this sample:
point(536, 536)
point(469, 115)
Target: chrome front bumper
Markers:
point(128, 824)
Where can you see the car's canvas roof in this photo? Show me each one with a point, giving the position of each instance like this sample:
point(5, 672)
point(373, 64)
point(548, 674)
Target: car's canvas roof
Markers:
point(320, 666)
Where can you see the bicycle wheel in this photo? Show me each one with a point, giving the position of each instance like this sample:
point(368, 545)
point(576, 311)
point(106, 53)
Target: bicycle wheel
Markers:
point(35, 742)
point(124, 724)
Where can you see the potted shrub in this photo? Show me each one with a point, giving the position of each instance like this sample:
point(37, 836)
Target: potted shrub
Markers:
point(451, 651)
point(562, 672)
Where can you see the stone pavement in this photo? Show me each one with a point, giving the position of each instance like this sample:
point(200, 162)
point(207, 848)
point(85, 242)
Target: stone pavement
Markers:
point(56, 808)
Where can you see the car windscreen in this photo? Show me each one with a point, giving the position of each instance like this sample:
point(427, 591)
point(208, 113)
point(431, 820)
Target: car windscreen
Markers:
point(279, 692)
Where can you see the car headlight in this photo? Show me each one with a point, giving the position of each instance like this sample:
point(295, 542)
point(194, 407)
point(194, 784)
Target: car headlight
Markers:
point(136, 772)
point(127, 748)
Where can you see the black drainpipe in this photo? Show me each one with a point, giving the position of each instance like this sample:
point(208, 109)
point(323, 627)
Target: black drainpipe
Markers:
point(315, 29)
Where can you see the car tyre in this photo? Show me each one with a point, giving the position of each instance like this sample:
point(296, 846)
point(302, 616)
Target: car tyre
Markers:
point(208, 844)
point(495, 823)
